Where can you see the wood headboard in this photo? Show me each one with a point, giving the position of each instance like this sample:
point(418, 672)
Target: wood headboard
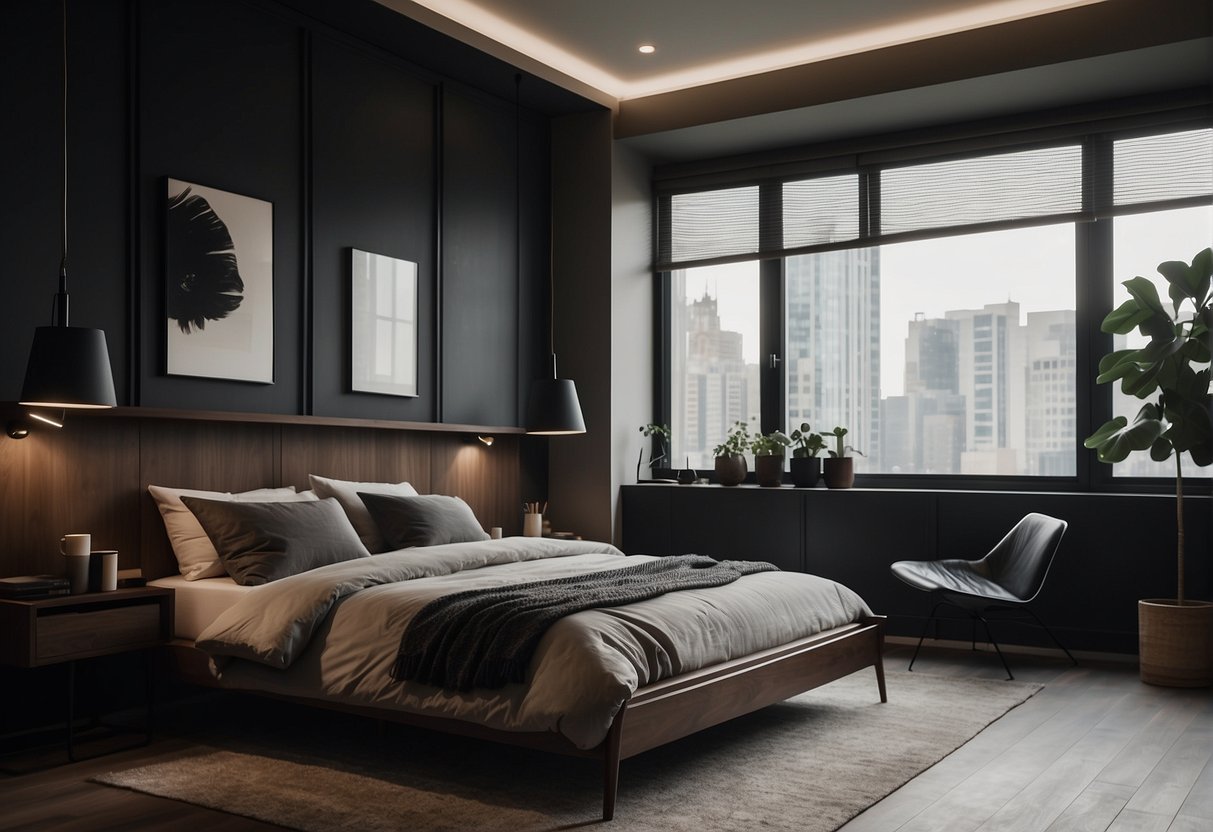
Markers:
point(92, 475)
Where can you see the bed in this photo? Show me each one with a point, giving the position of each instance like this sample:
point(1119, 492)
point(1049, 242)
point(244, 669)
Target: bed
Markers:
point(680, 685)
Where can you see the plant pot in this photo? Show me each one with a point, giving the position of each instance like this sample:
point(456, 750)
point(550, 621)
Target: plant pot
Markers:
point(730, 470)
point(1175, 643)
point(806, 471)
point(840, 472)
point(768, 470)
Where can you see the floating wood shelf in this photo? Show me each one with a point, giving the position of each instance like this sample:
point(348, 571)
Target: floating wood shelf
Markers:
point(285, 419)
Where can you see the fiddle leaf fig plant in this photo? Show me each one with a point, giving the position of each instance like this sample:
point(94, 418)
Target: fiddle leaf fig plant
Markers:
point(805, 443)
point(1171, 373)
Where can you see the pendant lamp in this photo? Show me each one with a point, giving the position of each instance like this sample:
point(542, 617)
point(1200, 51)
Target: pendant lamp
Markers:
point(553, 408)
point(68, 366)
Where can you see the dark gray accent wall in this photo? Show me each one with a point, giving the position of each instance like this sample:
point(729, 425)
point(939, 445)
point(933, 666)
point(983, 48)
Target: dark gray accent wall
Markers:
point(331, 120)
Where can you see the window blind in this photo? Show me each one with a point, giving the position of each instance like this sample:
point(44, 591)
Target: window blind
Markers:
point(1164, 168)
point(874, 203)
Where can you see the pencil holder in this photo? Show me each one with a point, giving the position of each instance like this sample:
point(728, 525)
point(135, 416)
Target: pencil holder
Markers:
point(532, 525)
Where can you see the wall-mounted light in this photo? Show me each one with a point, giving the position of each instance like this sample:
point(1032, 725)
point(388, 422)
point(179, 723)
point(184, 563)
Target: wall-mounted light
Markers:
point(17, 429)
point(69, 366)
point(55, 418)
point(487, 441)
point(483, 438)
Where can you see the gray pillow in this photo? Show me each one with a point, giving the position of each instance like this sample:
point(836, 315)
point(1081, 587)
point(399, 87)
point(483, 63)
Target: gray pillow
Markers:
point(429, 520)
point(262, 542)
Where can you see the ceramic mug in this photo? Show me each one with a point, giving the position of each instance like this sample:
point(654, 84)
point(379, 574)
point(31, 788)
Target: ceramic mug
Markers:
point(532, 525)
point(103, 570)
point(76, 544)
point(495, 533)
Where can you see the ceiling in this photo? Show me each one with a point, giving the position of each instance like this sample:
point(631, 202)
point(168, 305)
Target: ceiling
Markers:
point(733, 77)
point(696, 42)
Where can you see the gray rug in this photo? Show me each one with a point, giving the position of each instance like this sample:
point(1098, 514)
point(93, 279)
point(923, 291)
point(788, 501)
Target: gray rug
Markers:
point(808, 764)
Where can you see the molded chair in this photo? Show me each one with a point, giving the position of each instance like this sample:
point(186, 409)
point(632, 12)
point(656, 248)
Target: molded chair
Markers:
point(1007, 579)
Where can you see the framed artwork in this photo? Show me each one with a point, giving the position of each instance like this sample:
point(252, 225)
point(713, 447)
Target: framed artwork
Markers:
point(384, 324)
point(219, 284)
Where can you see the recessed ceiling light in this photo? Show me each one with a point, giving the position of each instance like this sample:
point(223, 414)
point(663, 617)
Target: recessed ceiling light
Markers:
point(646, 49)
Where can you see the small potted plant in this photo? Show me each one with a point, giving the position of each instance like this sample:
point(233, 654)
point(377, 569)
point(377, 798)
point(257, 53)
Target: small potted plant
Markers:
point(658, 436)
point(805, 465)
point(840, 468)
point(768, 458)
point(1172, 374)
point(730, 455)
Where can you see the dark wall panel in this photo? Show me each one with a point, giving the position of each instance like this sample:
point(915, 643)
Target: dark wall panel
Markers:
point(373, 171)
point(221, 105)
point(31, 176)
point(480, 265)
point(738, 525)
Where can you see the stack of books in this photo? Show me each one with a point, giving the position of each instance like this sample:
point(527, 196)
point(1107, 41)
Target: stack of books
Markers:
point(31, 587)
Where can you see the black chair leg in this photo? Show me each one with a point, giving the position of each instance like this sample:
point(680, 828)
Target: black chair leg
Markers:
point(990, 636)
point(925, 627)
point(1056, 640)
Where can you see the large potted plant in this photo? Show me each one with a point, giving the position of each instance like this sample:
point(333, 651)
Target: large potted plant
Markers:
point(805, 465)
point(1172, 374)
point(840, 468)
point(730, 455)
point(768, 452)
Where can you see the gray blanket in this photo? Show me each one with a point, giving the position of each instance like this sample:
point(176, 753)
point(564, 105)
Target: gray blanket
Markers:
point(485, 638)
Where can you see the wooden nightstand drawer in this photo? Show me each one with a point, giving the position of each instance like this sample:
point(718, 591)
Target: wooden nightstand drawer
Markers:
point(72, 633)
point(52, 630)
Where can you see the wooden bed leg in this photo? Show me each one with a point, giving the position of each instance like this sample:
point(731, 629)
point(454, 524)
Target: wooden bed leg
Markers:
point(879, 666)
point(610, 766)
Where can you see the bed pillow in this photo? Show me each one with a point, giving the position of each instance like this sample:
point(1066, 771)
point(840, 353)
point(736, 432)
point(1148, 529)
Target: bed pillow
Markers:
point(196, 557)
point(346, 493)
point(422, 521)
point(262, 542)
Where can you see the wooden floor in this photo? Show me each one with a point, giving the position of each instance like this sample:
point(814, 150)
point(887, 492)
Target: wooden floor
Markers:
point(1094, 750)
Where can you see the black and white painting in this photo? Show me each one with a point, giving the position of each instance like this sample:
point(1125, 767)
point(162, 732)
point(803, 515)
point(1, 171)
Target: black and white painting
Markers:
point(384, 324)
point(219, 284)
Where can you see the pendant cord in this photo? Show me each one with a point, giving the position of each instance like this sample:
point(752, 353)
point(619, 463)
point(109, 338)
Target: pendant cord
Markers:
point(63, 262)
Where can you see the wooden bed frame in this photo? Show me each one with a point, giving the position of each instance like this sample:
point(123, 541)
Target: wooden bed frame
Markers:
point(661, 712)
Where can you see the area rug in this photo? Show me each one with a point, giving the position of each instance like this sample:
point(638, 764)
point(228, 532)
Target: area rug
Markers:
point(808, 764)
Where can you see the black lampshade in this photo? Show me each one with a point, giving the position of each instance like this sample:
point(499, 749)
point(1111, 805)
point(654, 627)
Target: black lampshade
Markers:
point(553, 408)
point(69, 366)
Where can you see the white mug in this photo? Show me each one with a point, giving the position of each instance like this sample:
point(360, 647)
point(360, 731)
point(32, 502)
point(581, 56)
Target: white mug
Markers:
point(495, 533)
point(103, 571)
point(76, 544)
point(532, 525)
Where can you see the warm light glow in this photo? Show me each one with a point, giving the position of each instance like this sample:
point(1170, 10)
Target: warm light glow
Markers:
point(487, 440)
point(646, 49)
point(974, 16)
point(67, 405)
point(41, 417)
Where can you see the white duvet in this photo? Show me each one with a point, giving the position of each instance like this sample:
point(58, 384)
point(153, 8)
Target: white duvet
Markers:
point(332, 633)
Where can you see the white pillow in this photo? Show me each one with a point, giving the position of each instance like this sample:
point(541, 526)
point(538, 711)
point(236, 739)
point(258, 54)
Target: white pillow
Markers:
point(346, 493)
point(196, 556)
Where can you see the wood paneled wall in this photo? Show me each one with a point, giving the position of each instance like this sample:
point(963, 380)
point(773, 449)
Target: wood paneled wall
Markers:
point(92, 476)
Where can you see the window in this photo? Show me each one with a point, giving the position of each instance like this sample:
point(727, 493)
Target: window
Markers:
point(928, 302)
point(1141, 242)
point(713, 357)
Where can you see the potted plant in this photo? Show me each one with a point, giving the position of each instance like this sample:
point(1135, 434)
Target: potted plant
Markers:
point(1172, 374)
point(840, 468)
point(768, 458)
point(658, 436)
point(806, 467)
point(730, 455)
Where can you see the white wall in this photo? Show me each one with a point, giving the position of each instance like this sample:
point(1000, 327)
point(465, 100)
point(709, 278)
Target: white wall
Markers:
point(631, 316)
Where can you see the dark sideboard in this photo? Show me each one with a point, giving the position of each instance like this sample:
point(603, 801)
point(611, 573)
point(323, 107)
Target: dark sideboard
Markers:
point(851, 536)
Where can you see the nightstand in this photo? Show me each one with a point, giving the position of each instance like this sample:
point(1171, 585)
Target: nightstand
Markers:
point(64, 629)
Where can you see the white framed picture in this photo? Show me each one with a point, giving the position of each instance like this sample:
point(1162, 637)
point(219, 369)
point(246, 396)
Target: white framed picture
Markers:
point(219, 284)
point(384, 324)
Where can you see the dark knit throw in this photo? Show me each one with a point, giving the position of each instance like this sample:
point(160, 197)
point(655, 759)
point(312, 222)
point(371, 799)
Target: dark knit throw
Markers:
point(484, 638)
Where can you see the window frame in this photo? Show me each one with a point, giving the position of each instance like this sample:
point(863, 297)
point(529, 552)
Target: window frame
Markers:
point(1094, 290)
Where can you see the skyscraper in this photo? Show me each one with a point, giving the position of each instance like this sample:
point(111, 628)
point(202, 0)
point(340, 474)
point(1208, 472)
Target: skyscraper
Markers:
point(833, 345)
